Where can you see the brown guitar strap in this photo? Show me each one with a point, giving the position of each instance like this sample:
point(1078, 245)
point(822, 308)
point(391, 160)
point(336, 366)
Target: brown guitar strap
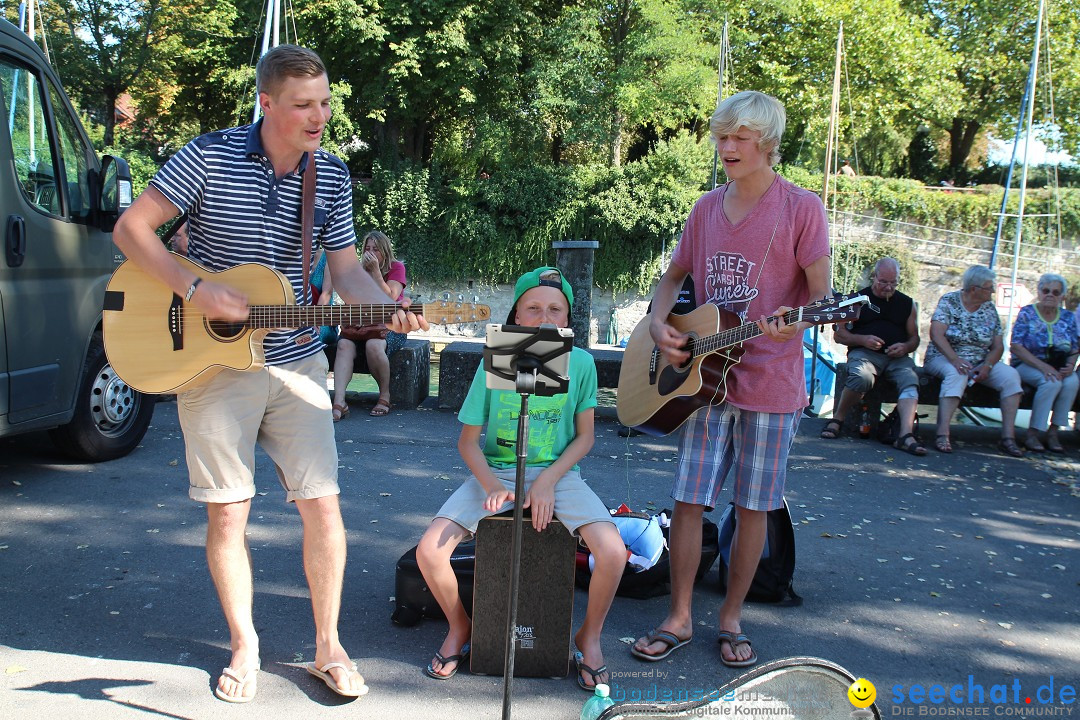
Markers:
point(307, 215)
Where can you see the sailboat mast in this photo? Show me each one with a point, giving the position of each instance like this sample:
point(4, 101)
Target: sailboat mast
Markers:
point(722, 68)
point(834, 111)
point(271, 31)
point(1029, 114)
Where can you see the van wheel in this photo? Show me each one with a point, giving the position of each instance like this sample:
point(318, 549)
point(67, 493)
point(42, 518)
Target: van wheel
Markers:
point(110, 418)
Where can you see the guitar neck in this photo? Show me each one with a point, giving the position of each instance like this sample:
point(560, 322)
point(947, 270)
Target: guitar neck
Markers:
point(736, 335)
point(296, 316)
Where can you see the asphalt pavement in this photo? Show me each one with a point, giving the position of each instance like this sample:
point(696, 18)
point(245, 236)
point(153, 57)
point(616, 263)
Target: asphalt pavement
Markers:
point(944, 569)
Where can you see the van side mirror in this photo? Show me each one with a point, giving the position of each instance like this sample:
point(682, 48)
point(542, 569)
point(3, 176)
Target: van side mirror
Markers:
point(116, 190)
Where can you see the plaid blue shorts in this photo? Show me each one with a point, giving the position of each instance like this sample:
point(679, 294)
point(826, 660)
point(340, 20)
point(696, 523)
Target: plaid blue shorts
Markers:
point(718, 438)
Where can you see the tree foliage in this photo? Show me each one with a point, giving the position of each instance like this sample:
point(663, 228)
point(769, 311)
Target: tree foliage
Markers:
point(479, 125)
point(104, 47)
point(990, 46)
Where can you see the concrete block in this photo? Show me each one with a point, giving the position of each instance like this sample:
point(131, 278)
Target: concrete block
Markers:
point(410, 373)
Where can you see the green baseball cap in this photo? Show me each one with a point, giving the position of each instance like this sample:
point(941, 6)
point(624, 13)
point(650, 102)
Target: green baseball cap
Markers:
point(552, 277)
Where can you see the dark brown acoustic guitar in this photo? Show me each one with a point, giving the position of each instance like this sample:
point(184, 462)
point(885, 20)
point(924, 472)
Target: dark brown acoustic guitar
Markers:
point(657, 397)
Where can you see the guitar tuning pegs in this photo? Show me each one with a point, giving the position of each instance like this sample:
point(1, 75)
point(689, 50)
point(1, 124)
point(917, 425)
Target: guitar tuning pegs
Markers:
point(446, 296)
point(460, 297)
point(476, 298)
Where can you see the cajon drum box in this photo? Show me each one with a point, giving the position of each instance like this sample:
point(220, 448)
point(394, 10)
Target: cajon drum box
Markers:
point(545, 599)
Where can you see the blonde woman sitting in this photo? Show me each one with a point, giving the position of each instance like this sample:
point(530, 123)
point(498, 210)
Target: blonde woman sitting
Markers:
point(377, 343)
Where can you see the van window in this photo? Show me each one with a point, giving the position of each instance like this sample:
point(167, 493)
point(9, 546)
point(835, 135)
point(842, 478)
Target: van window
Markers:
point(74, 153)
point(35, 165)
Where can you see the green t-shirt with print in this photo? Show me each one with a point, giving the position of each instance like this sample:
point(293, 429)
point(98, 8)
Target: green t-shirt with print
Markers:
point(551, 419)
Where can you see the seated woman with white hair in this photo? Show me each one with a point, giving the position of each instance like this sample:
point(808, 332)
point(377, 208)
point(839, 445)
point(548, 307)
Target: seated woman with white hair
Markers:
point(1044, 347)
point(965, 347)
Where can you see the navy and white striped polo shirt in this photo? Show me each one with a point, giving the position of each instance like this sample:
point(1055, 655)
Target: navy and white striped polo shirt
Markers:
point(240, 212)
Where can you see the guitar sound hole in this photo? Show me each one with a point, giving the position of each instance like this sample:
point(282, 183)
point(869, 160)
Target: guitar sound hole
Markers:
point(688, 347)
point(225, 331)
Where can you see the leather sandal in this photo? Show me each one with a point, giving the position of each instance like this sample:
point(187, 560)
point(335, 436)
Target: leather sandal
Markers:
point(910, 444)
point(832, 428)
point(1009, 447)
point(1032, 443)
point(341, 411)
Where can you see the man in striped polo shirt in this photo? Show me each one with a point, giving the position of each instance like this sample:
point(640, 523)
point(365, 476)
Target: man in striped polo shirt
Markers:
point(242, 191)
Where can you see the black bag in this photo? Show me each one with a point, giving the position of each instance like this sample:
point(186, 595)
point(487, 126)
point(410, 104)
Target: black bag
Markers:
point(1055, 358)
point(656, 580)
point(772, 581)
point(413, 600)
point(888, 428)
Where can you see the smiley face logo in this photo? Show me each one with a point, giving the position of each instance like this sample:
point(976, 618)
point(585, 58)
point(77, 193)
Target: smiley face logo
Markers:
point(862, 693)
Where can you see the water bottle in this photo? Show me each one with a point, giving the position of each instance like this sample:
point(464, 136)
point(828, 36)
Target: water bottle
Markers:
point(864, 423)
point(597, 703)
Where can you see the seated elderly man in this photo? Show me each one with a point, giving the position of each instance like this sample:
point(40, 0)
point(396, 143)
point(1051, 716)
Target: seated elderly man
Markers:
point(881, 343)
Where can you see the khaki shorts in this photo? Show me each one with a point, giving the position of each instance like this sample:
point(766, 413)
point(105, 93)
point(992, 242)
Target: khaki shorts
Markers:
point(576, 504)
point(284, 408)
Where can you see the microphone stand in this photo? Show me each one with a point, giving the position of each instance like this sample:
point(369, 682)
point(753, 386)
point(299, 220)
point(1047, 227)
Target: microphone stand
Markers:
point(530, 356)
point(527, 367)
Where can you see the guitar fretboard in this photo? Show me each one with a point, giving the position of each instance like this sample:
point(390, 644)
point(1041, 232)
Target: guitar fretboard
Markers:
point(294, 316)
point(735, 335)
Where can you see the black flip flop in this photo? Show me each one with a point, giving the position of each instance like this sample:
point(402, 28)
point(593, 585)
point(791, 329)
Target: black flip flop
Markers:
point(579, 663)
point(673, 641)
point(914, 447)
point(833, 427)
point(460, 658)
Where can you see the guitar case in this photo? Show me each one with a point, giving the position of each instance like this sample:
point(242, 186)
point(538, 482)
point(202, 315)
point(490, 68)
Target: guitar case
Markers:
point(806, 688)
point(413, 600)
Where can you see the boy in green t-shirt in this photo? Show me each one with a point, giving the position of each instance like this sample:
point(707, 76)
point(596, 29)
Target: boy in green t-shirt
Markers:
point(560, 434)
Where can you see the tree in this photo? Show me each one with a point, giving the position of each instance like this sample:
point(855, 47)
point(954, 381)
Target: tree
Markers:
point(104, 47)
point(896, 76)
point(201, 79)
point(417, 70)
point(608, 70)
point(990, 42)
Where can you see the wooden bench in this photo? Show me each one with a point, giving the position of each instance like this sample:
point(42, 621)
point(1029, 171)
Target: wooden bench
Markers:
point(459, 360)
point(885, 391)
point(410, 371)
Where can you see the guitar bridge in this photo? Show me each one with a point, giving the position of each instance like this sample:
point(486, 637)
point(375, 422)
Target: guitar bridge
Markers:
point(176, 322)
point(653, 362)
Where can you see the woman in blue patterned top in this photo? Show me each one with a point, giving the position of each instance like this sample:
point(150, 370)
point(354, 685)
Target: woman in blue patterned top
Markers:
point(1045, 345)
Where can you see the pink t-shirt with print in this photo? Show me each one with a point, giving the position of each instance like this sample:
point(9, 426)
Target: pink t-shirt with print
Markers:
point(731, 270)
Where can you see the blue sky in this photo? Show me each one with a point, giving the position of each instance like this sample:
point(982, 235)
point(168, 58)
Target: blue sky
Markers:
point(1001, 151)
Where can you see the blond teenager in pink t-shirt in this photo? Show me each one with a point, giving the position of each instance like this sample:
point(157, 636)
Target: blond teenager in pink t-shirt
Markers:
point(756, 247)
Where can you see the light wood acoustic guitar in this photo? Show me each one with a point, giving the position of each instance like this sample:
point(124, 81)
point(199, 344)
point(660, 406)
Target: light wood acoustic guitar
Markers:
point(657, 397)
point(157, 343)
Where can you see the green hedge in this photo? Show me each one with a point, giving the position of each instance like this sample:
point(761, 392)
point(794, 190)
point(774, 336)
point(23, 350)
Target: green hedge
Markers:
point(496, 227)
point(493, 228)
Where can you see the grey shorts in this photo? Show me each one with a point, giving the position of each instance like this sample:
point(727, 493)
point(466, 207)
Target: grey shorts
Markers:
point(866, 366)
point(576, 504)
